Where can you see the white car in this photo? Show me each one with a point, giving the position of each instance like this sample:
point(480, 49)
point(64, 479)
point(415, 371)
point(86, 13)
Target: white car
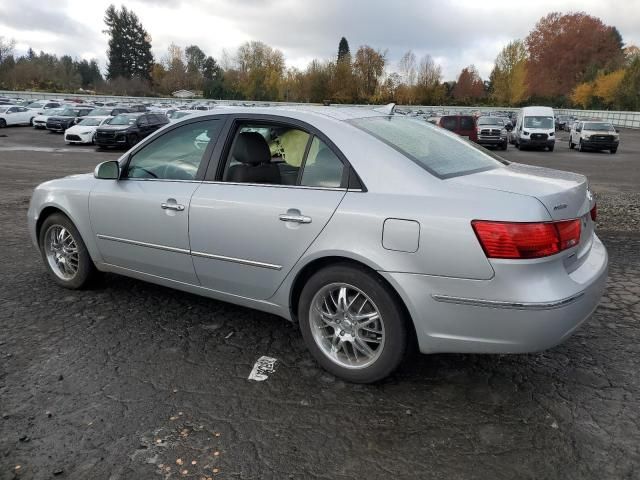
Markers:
point(15, 115)
point(594, 135)
point(85, 130)
point(40, 121)
point(179, 114)
point(41, 106)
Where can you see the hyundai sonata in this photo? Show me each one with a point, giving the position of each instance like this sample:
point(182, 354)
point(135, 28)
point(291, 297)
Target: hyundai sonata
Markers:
point(368, 229)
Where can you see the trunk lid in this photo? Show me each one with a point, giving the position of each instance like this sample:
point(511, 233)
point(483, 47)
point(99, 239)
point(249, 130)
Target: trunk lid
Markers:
point(564, 194)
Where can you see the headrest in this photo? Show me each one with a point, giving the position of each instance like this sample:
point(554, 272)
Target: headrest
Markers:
point(251, 148)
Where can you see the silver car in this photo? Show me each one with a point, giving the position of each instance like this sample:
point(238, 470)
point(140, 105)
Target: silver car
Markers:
point(372, 231)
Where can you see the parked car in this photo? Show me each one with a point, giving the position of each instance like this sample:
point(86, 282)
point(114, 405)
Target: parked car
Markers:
point(108, 111)
point(15, 115)
point(594, 135)
point(65, 119)
point(369, 230)
point(85, 130)
point(491, 132)
point(41, 106)
point(569, 123)
point(463, 125)
point(40, 121)
point(178, 114)
point(535, 128)
point(137, 108)
point(127, 129)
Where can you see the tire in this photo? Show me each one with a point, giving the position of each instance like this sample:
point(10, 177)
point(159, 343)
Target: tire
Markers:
point(571, 144)
point(64, 273)
point(132, 140)
point(387, 336)
point(613, 150)
point(31, 122)
point(551, 148)
point(3, 123)
point(580, 147)
point(504, 146)
point(517, 144)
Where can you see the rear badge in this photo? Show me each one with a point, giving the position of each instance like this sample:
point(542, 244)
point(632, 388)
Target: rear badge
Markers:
point(560, 207)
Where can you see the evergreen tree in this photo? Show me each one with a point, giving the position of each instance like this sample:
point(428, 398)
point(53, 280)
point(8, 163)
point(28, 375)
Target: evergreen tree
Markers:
point(129, 54)
point(343, 50)
point(213, 79)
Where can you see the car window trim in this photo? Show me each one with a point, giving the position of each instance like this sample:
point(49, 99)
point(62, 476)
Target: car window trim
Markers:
point(216, 170)
point(206, 156)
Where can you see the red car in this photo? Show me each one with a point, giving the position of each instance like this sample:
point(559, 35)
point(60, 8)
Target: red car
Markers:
point(463, 125)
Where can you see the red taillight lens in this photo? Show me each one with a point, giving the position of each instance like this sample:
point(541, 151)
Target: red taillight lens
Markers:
point(526, 240)
point(594, 212)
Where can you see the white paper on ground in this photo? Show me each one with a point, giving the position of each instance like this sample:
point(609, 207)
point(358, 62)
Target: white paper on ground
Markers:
point(263, 368)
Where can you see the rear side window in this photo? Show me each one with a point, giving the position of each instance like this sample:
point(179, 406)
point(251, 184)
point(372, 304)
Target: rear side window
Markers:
point(439, 152)
point(450, 123)
point(466, 123)
point(322, 167)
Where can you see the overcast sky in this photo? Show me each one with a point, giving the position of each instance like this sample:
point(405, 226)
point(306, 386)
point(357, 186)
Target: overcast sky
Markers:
point(455, 33)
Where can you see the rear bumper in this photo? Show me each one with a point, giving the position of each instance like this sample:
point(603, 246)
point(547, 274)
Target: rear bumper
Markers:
point(528, 308)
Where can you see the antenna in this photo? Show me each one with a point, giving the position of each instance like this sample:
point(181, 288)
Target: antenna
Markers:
point(388, 109)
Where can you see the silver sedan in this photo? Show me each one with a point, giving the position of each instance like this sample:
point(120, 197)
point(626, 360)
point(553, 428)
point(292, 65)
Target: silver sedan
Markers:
point(372, 231)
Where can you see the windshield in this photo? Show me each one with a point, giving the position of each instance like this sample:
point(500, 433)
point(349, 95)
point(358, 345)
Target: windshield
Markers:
point(439, 152)
point(36, 104)
point(490, 121)
point(68, 112)
point(90, 122)
point(600, 127)
point(539, 122)
point(54, 111)
point(100, 112)
point(123, 119)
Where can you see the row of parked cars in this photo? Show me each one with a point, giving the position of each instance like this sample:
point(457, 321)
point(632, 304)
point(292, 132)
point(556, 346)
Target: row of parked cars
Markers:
point(533, 127)
point(105, 125)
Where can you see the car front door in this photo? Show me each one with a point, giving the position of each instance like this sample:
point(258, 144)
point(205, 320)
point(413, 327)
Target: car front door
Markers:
point(13, 116)
point(277, 187)
point(141, 220)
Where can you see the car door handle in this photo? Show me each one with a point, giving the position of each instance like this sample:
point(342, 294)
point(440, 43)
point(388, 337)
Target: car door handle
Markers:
point(286, 217)
point(172, 206)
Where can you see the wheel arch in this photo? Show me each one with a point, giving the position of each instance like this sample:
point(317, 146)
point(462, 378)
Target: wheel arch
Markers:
point(317, 264)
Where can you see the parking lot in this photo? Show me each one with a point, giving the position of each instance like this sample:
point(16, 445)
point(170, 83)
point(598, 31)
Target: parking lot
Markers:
point(130, 380)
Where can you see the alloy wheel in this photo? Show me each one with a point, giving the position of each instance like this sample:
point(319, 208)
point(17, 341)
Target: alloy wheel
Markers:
point(61, 251)
point(347, 325)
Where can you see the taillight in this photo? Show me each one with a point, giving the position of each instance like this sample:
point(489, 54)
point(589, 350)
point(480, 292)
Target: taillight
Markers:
point(526, 240)
point(594, 212)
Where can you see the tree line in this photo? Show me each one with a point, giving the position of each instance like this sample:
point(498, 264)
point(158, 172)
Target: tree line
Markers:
point(566, 60)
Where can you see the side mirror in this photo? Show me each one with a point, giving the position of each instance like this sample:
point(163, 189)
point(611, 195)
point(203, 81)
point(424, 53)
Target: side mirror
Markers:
point(109, 170)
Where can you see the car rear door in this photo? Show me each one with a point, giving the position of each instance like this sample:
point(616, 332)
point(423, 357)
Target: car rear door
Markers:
point(141, 220)
point(247, 234)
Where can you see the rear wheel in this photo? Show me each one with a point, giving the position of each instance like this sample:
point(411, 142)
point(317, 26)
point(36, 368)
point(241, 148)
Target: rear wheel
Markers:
point(352, 323)
point(64, 253)
point(31, 122)
point(3, 123)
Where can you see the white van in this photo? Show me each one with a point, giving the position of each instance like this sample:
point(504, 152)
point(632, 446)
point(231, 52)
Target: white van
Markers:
point(535, 127)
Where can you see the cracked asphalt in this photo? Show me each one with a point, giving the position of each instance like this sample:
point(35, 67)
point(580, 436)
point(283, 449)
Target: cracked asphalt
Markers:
point(133, 381)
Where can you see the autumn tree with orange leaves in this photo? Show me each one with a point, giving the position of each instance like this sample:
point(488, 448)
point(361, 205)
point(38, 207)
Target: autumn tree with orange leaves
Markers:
point(469, 86)
point(565, 50)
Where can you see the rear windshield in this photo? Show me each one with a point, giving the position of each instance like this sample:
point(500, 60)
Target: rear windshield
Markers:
point(539, 122)
point(436, 150)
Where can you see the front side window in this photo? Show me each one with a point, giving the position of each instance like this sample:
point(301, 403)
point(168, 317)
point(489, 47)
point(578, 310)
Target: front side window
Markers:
point(176, 155)
point(437, 151)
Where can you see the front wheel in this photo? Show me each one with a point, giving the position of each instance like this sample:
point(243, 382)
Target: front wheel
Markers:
point(64, 253)
point(132, 140)
point(614, 150)
point(551, 148)
point(352, 323)
point(580, 147)
point(3, 123)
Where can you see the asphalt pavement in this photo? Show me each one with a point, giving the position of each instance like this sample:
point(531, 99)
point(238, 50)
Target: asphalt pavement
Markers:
point(130, 380)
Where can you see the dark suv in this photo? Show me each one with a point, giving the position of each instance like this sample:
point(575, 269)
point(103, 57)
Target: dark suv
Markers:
point(127, 129)
point(67, 118)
